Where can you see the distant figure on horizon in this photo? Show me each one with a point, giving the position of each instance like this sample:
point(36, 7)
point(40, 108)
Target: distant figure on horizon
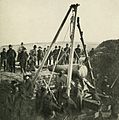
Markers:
point(11, 55)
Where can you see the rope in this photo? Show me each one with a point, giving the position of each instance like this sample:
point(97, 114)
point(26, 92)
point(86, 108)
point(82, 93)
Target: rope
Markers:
point(57, 58)
point(65, 51)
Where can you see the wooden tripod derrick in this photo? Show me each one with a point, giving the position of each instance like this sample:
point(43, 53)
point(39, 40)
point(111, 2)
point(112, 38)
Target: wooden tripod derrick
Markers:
point(74, 8)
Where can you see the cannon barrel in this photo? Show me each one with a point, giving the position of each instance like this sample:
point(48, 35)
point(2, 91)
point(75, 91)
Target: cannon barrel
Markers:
point(78, 71)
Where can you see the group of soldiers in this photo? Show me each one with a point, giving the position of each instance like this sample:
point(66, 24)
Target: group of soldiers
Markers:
point(8, 59)
point(28, 61)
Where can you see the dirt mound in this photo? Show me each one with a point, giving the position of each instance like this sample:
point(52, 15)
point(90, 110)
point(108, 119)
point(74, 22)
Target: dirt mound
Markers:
point(105, 62)
point(15, 98)
point(11, 76)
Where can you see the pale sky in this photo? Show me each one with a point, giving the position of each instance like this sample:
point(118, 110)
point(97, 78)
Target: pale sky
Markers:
point(38, 20)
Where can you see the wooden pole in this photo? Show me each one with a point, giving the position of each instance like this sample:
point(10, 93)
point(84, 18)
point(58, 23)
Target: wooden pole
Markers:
point(54, 40)
point(69, 78)
point(85, 52)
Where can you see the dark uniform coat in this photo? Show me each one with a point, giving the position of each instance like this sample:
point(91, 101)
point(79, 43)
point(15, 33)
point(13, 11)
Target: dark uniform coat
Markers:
point(11, 55)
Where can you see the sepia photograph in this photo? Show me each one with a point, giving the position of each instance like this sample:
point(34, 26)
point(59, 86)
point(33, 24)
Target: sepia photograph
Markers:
point(59, 60)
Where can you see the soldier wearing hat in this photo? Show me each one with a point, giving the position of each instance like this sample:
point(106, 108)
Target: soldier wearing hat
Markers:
point(23, 60)
point(77, 53)
point(55, 54)
point(33, 53)
point(20, 49)
point(3, 59)
point(39, 54)
point(49, 59)
point(67, 50)
point(61, 58)
point(11, 55)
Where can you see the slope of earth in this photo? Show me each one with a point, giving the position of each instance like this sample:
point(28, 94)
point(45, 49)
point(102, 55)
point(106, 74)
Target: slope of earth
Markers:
point(15, 100)
point(105, 62)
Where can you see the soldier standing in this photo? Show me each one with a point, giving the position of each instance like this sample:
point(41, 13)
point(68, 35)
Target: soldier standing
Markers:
point(33, 53)
point(39, 54)
point(67, 50)
point(77, 54)
point(31, 64)
point(3, 59)
point(44, 52)
point(49, 59)
point(23, 60)
point(11, 55)
point(59, 49)
point(55, 54)
point(60, 53)
point(20, 49)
